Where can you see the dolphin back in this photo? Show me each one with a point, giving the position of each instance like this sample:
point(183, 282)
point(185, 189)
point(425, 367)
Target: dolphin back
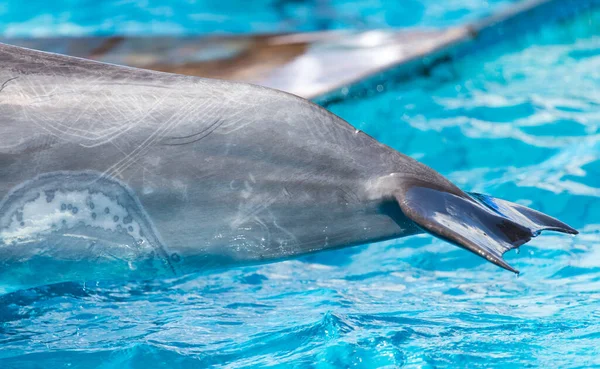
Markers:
point(109, 171)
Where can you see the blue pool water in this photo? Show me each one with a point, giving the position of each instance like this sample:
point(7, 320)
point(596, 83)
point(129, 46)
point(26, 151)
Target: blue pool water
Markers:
point(520, 121)
point(152, 17)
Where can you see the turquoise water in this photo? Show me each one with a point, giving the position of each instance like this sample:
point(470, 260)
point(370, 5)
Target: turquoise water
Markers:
point(152, 17)
point(520, 121)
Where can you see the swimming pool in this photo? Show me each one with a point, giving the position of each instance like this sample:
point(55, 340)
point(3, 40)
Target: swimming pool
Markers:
point(519, 120)
point(152, 17)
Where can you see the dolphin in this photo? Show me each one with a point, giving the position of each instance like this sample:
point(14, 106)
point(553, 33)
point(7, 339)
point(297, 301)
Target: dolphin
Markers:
point(111, 172)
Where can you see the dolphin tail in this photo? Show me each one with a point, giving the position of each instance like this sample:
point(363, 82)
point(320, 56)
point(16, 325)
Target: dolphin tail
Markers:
point(482, 224)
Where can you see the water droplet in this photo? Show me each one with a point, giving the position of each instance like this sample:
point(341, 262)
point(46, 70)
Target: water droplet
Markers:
point(130, 229)
point(518, 251)
point(75, 210)
point(116, 218)
point(175, 257)
point(63, 207)
point(69, 206)
point(94, 215)
point(107, 210)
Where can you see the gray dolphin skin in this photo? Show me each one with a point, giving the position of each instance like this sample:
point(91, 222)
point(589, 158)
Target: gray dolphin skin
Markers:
point(110, 172)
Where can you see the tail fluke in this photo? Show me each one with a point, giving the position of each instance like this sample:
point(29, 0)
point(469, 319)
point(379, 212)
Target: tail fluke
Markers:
point(532, 219)
point(482, 224)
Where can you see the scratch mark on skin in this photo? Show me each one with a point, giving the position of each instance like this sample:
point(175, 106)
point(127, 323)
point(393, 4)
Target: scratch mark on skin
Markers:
point(233, 124)
point(292, 237)
point(6, 83)
point(267, 233)
point(210, 129)
point(118, 132)
point(69, 127)
point(129, 159)
point(111, 83)
point(60, 129)
point(12, 145)
point(250, 210)
point(195, 134)
point(348, 195)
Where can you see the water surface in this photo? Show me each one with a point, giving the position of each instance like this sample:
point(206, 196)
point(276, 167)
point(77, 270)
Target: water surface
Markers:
point(151, 17)
point(520, 121)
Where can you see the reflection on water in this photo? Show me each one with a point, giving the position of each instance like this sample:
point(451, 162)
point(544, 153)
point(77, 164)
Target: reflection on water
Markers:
point(520, 122)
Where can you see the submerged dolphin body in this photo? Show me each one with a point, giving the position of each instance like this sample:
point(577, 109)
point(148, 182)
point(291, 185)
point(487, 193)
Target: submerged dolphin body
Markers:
point(113, 172)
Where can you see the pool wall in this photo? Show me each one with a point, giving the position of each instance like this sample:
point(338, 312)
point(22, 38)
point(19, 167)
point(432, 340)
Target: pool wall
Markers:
point(520, 19)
